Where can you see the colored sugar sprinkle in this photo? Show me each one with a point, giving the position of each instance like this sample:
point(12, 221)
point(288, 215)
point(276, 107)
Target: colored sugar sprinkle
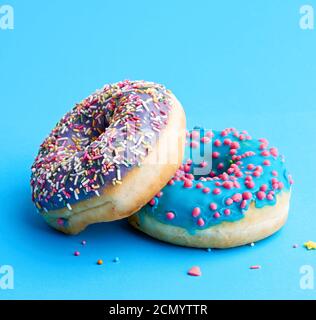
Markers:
point(83, 242)
point(295, 246)
point(310, 245)
point(76, 253)
point(195, 271)
point(255, 267)
point(98, 142)
point(100, 262)
point(252, 244)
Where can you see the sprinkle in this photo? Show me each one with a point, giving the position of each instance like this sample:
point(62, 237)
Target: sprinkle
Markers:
point(206, 190)
point(200, 222)
point(217, 191)
point(195, 271)
point(227, 212)
point(216, 215)
point(99, 262)
point(213, 206)
point(83, 242)
point(116, 259)
point(255, 267)
point(310, 245)
point(252, 244)
point(187, 183)
point(170, 215)
point(261, 195)
point(196, 212)
point(76, 253)
point(209, 249)
point(247, 195)
point(295, 246)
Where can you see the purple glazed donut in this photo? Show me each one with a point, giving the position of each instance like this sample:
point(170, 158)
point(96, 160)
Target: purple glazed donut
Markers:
point(100, 161)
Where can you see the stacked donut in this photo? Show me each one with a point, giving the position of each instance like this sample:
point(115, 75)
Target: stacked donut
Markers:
point(120, 150)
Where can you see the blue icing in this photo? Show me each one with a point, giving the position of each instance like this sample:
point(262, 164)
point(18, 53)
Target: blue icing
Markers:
point(182, 200)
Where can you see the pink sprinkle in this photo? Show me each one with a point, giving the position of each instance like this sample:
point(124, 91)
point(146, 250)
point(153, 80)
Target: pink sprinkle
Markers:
point(213, 206)
point(206, 190)
point(215, 155)
point(281, 185)
point(199, 185)
point(229, 201)
point(170, 215)
point(200, 222)
point(186, 168)
point(274, 152)
point(209, 134)
point(265, 153)
point(195, 271)
point(270, 196)
point(250, 166)
point(152, 202)
point(235, 145)
point(60, 221)
point(216, 191)
point(256, 173)
point(76, 253)
point(159, 194)
point(205, 139)
point(195, 134)
point(203, 164)
point(194, 144)
point(228, 185)
point(171, 182)
point(233, 151)
point(261, 195)
point(266, 162)
point(263, 140)
point(255, 267)
point(220, 166)
point(247, 195)
point(224, 133)
point(250, 184)
point(264, 188)
point(196, 212)
point(243, 204)
point(227, 212)
point(217, 143)
point(188, 183)
point(274, 173)
point(216, 215)
point(237, 197)
point(227, 142)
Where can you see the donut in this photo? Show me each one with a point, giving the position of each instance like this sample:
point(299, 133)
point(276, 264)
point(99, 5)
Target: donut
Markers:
point(231, 190)
point(102, 160)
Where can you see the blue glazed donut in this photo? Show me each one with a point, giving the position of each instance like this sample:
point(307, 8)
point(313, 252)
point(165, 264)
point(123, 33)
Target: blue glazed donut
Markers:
point(231, 190)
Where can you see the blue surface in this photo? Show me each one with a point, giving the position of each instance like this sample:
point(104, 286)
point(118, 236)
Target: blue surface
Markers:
point(232, 63)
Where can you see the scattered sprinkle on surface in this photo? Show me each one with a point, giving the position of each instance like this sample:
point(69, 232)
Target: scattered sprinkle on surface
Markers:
point(100, 262)
point(310, 245)
point(195, 271)
point(255, 267)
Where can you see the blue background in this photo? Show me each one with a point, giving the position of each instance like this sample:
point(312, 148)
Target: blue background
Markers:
point(231, 63)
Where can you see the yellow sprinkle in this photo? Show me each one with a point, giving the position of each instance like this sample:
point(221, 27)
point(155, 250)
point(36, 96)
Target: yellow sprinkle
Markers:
point(309, 245)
